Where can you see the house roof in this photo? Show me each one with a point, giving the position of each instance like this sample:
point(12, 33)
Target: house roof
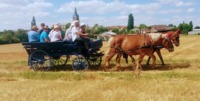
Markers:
point(160, 27)
point(120, 27)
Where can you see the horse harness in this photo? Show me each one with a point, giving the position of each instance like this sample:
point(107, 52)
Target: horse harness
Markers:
point(144, 46)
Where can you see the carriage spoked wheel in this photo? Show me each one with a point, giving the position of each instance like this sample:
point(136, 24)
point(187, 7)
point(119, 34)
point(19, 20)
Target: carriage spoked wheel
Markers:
point(60, 60)
point(80, 63)
point(95, 61)
point(40, 60)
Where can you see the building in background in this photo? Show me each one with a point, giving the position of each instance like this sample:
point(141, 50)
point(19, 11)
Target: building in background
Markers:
point(75, 15)
point(159, 28)
point(194, 32)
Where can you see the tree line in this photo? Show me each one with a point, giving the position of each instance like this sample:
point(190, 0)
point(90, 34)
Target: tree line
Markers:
point(10, 36)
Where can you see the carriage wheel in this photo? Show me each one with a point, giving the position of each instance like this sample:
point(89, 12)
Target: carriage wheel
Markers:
point(95, 61)
point(40, 60)
point(60, 60)
point(80, 63)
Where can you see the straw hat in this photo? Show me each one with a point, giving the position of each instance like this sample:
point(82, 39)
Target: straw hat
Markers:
point(55, 26)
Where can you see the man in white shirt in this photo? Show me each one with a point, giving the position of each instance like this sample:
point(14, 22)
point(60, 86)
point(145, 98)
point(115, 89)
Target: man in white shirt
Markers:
point(78, 36)
point(68, 33)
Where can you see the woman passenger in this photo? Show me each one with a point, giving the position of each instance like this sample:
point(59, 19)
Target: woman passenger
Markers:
point(55, 34)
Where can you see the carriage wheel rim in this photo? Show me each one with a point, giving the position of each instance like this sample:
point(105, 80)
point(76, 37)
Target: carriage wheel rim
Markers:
point(40, 60)
point(80, 63)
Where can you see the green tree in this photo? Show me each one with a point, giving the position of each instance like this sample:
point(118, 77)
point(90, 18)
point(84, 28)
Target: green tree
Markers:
point(130, 22)
point(33, 22)
point(99, 29)
point(8, 36)
point(22, 35)
point(171, 25)
point(184, 27)
point(93, 29)
point(67, 25)
point(191, 26)
point(196, 27)
point(87, 30)
point(142, 26)
point(115, 30)
point(131, 32)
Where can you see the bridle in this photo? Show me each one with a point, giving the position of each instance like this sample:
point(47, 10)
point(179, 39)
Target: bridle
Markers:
point(169, 43)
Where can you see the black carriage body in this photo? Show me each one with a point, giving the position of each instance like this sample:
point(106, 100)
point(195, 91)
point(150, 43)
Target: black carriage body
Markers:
point(53, 49)
point(57, 49)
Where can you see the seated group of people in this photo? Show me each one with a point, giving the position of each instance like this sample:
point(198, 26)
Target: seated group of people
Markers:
point(75, 33)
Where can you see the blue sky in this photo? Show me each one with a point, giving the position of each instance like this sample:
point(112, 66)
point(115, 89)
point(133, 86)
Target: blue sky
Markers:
point(15, 14)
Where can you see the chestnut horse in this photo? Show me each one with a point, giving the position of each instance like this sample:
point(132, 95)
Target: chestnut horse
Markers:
point(139, 44)
point(174, 36)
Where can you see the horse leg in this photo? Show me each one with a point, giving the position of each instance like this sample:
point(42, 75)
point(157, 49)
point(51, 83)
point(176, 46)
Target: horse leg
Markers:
point(133, 61)
point(149, 58)
point(138, 64)
point(160, 56)
point(118, 58)
point(108, 57)
point(154, 60)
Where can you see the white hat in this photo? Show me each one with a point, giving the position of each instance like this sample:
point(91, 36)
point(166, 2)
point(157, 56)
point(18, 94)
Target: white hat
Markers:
point(82, 24)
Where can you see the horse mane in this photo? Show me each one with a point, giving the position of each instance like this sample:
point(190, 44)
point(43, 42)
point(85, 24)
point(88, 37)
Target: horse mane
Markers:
point(156, 36)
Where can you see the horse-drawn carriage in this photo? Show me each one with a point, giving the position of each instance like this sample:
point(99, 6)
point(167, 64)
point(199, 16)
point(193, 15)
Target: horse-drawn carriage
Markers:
point(42, 56)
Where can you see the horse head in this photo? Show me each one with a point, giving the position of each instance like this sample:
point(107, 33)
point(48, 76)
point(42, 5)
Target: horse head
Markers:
point(174, 37)
point(167, 43)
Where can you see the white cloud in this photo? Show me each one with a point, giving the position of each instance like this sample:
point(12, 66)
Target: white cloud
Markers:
point(101, 7)
point(181, 3)
point(148, 13)
point(18, 14)
point(177, 3)
point(169, 11)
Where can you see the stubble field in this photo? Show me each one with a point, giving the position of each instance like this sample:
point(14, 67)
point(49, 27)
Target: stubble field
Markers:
point(178, 80)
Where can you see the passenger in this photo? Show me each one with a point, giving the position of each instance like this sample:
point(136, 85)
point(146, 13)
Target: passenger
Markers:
point(55, 34)
point(44, 35)
point(78, 36)
point(49, 30)
point(42, 28)
point(33, 35)
point(83, 30)
point(68, 33)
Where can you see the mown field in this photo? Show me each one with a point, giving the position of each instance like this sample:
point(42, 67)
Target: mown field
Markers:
point(178, 80)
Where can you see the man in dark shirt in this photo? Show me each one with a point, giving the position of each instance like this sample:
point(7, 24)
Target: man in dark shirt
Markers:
point(42, 28)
